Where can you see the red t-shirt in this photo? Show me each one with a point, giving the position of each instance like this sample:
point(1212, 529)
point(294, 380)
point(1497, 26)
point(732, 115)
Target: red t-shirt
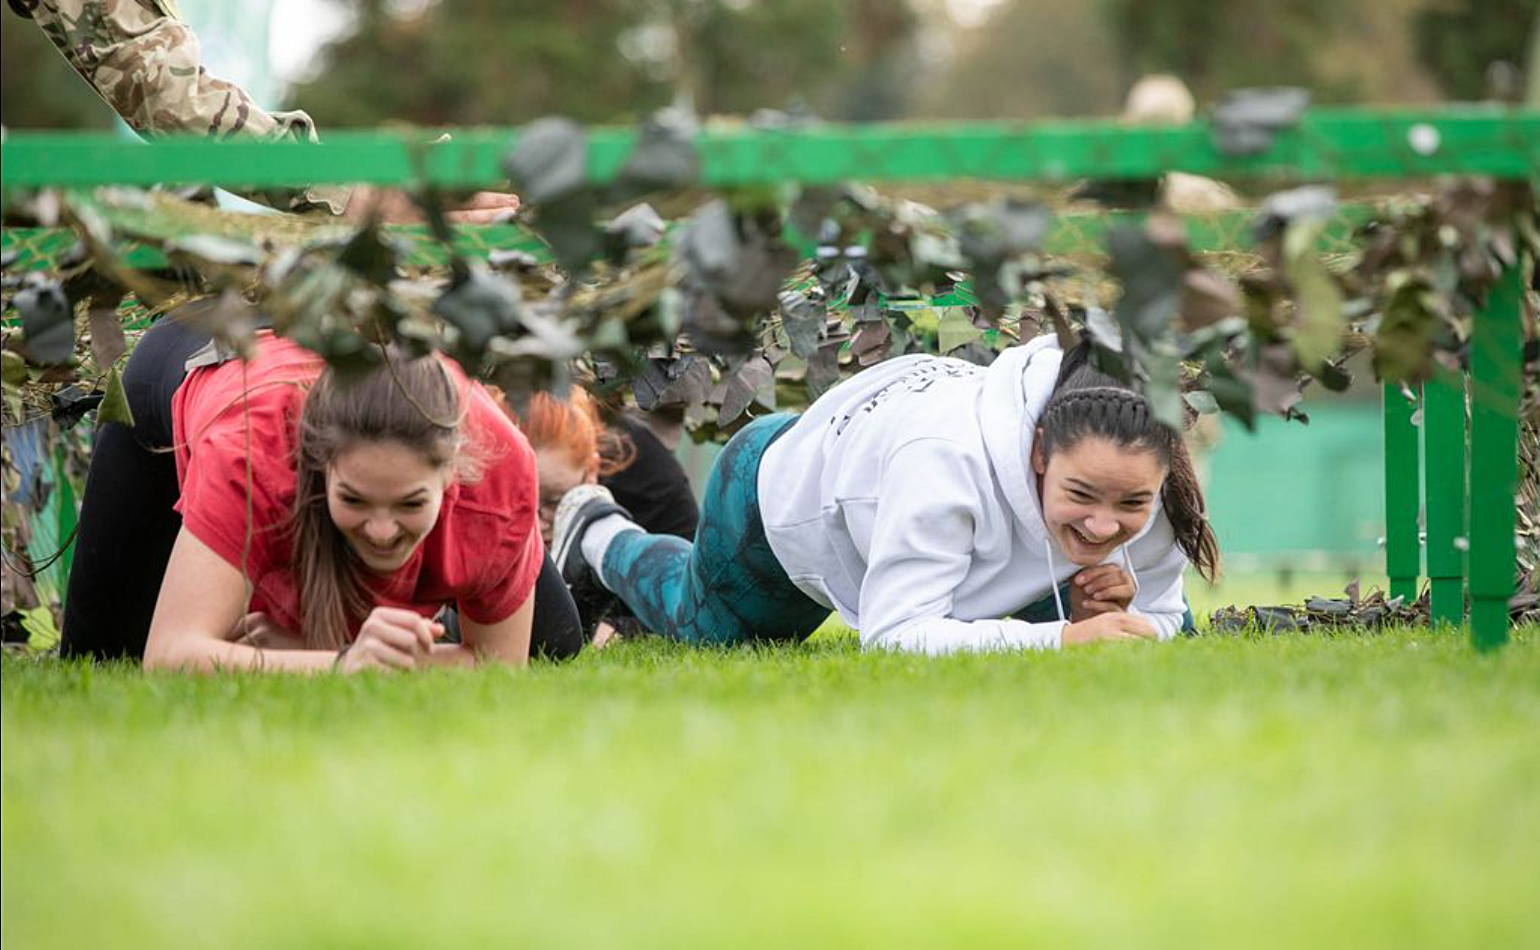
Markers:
point(483, 554)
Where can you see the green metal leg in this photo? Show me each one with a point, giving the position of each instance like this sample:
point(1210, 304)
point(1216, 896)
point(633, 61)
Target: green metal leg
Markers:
point(1402, 552)
point(1496, 357)
point(1443, 428)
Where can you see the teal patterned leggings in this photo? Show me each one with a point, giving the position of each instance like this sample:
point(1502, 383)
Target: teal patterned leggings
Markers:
point(727, 587)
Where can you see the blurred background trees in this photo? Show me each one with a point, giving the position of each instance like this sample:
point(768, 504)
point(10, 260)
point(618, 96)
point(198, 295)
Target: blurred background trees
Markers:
point(466, 62)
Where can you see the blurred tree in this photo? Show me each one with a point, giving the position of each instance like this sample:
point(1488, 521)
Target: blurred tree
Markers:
point(40, 90)
point(468, 62)
point(1532, 95)
point(1393, 73)
point(847, 60)
point(1459, 39)
point(1029, 59)
point(1215, 47)
point(1033, 58)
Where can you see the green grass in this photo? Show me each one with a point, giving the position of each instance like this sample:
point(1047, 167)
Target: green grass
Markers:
point(1290, 791)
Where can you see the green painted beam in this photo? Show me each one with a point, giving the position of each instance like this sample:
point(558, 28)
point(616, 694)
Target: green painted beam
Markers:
point(1443, 429)
point(1496, 358)
point(1327, 143)
point(1403, 552)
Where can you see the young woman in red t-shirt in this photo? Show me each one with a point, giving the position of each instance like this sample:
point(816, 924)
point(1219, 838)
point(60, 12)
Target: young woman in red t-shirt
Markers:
point(324, 522)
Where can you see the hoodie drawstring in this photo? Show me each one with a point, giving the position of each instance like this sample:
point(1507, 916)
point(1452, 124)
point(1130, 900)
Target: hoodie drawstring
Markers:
point(1058, 601)
point(1128, 562)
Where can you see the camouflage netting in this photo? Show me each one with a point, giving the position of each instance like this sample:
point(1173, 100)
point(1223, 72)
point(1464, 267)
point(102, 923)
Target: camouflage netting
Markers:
point(760, 300)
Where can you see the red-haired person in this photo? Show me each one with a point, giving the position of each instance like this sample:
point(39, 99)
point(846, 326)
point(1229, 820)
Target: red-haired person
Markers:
point(577, 443)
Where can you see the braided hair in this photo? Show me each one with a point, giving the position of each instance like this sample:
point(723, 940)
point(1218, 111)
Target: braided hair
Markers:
point(1088, 402)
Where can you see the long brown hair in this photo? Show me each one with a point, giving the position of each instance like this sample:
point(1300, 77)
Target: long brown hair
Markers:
point(1088, 402)
point(413, 402)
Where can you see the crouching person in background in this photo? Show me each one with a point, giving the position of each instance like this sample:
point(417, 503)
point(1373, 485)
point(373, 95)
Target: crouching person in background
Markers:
point(576, 445)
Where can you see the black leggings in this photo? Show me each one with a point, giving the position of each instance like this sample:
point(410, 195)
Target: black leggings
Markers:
point(128, 526)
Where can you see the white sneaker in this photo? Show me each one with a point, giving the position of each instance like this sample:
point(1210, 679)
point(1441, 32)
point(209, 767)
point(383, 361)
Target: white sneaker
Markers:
point(578, 509)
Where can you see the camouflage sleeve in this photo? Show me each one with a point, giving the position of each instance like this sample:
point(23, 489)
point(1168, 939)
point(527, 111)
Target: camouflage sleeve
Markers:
point(147, 65)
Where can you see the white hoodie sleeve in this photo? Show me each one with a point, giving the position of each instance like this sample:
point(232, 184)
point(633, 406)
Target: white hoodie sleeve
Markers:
point(921, 549)
point(1159, 598)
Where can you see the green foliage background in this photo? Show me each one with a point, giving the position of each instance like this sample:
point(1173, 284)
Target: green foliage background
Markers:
point(467, 62)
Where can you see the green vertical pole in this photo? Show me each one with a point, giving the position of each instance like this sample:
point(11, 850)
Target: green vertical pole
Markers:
point(1402, 553)
point(1443, 430)
point(1495, 364)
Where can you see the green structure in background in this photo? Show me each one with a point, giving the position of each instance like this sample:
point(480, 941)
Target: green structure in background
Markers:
point(1295, 496)
point(1325, 144)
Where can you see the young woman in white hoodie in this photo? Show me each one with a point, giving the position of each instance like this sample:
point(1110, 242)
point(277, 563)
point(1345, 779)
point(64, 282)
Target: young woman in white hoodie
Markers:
point(936, 505)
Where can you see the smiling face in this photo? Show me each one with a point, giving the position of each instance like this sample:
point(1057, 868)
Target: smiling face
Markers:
point(384, 498)
point(1095, 495)
point(559, 474)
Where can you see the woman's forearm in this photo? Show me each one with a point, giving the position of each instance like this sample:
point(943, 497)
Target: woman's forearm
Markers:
point(214, 656)
point(451, 654)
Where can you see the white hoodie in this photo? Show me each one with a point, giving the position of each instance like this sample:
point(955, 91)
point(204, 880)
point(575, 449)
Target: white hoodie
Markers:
point(904, 499)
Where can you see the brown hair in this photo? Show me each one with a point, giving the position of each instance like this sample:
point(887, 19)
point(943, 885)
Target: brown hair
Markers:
point(1088, 402)
point(413, 402)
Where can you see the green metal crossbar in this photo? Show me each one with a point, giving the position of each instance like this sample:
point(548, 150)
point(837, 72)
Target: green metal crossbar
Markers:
point(1334, 144)
point(1327, 143)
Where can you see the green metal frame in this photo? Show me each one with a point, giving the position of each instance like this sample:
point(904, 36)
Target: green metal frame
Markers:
point(1403, 553)
point(1443, 429)
point(1327, 143)
point(1496, 369)
point(1338, 144)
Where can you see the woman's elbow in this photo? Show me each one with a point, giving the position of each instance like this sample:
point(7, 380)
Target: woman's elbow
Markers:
point(167, 653)
point(157, 657)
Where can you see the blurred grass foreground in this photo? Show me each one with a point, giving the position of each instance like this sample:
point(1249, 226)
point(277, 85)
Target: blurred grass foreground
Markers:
point(1356, 790)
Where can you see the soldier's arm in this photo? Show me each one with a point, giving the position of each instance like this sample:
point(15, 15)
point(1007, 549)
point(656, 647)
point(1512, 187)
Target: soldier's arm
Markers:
point(147, 65)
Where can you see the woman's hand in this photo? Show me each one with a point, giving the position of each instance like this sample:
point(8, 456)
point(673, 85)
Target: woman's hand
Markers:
point(1102, 589)
point(391, 639)
point(1116, 625)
